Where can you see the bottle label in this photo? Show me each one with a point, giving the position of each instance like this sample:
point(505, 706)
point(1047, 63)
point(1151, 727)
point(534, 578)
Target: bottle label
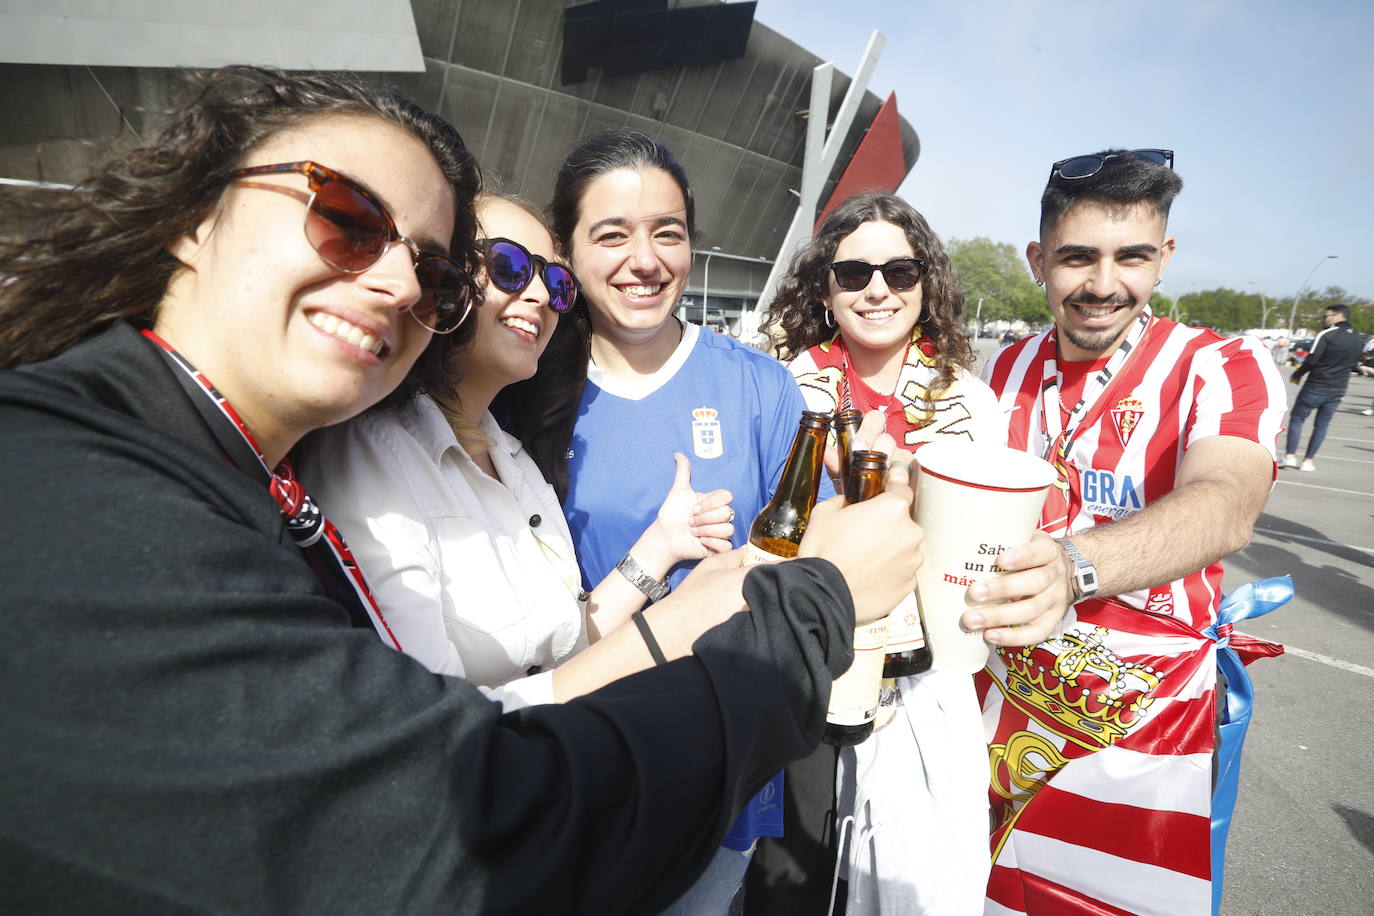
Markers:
point(755, 555)
point(854, 696)
point(904, 631)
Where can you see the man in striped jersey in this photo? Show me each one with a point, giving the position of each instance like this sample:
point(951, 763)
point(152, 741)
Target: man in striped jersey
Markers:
point(1099, 705)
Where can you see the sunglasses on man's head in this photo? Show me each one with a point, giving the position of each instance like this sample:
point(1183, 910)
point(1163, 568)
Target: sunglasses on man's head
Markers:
point(511, 267)
point(1088, 166)
point(350, 229)
point(900, 274)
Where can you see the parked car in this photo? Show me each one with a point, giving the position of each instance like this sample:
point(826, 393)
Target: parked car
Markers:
point(1010, 338)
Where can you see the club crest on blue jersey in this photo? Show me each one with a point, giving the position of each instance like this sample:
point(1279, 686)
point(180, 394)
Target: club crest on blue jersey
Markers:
point(706, 433)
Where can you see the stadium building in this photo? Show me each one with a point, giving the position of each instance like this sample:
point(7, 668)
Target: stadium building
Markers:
point(522, 80)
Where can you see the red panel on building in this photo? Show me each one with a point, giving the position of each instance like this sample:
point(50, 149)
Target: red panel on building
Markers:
point(877, 165)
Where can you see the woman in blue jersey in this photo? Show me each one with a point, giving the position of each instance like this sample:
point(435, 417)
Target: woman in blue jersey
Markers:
point(624, 213)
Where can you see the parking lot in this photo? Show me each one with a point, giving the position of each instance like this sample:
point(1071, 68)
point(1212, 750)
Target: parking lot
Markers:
point(1303, 836)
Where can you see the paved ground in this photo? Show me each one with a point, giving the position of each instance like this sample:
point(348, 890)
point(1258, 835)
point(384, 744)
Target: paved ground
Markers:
point(1303, 837)
point(1302, 841)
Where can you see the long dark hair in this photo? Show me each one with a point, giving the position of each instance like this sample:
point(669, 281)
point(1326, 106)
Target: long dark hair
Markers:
point(542, 410)
point(101, 254)
point(796, 319)
point(603, 152)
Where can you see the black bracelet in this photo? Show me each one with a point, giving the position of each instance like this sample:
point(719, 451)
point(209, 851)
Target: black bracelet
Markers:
point(648, 635)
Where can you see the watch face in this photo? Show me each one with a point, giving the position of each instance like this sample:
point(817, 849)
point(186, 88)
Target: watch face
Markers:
point(1086, 576)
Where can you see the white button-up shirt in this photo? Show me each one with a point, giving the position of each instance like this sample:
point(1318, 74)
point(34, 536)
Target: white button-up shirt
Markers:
point(476, 576)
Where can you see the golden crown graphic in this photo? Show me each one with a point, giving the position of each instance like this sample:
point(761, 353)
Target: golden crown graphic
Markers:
point(1078, 688)
point(705, 413)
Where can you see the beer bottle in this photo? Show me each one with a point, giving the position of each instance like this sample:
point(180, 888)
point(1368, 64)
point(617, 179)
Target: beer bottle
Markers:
point(854, 695)
point(777, 532)
point(907, 650)
point(846, 424)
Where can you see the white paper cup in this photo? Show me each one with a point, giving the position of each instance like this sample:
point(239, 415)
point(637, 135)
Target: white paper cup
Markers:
point(973, 501)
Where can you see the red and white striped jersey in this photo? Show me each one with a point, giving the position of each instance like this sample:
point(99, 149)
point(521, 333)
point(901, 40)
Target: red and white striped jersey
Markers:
point(1100, 738)
point(1185, 385)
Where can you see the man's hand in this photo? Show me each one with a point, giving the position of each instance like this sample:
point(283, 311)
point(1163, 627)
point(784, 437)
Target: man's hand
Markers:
point(1030, 598)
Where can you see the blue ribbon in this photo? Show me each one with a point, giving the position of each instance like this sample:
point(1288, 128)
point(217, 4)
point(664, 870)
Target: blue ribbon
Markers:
point(1254, 599)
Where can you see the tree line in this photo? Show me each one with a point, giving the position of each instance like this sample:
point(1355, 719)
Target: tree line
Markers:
point(996, 274)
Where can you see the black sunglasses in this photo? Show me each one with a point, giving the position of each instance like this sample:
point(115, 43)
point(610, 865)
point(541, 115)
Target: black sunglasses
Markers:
point(899, 273)
point(1087, 166)
point(511, 267)
point(350, 229)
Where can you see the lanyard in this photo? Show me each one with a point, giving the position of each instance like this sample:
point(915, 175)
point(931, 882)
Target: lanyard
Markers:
point(309, 529)
point(1062, 503)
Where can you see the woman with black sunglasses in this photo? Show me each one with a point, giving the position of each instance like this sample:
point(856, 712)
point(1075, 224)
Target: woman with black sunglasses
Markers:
point(869, 316)
point(450, 517)
point(204, 709)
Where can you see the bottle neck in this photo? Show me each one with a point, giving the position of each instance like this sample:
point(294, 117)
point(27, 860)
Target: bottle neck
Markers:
point(802, 473)
point(862, 484)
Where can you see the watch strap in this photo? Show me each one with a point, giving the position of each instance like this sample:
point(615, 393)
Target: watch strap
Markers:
point(652, 588)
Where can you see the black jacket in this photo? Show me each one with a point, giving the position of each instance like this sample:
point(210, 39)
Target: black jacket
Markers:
point(1334, 354)
point(191, 725)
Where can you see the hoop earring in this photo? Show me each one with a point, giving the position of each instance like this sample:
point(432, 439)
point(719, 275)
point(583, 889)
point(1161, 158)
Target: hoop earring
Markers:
point(1159, 281)
point(828, 318)
point(1039, 282)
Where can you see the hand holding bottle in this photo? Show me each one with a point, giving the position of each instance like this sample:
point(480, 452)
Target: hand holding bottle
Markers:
point(875, 544)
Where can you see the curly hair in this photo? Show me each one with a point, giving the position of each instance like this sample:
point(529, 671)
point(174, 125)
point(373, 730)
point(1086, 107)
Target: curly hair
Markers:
point(100, 255)
point(796, 319)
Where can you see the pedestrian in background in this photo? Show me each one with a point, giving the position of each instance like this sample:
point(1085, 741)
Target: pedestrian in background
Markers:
point(1280, 352)
point(1334, 354)
point(1366, 368)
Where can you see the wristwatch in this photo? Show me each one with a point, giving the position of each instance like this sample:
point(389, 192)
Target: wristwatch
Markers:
point(1085, 581)
point(651, 587)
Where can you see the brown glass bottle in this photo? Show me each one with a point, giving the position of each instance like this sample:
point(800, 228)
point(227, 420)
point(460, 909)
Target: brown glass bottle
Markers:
point(846, 424)
point(777, 531)
point(854, 695)
point(914, 655)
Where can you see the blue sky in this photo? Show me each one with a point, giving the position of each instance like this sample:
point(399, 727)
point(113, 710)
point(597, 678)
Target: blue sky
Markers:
point(1269, 108)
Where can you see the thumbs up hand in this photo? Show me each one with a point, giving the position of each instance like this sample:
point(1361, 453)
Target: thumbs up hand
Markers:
point(693, 525)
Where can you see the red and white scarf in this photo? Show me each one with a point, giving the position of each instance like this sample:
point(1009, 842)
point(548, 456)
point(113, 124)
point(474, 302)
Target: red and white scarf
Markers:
point(919, 410)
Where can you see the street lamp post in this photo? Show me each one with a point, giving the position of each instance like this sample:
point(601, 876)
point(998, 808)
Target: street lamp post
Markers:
point(706, 282)
point(1293, 313)
point(1264, 306)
